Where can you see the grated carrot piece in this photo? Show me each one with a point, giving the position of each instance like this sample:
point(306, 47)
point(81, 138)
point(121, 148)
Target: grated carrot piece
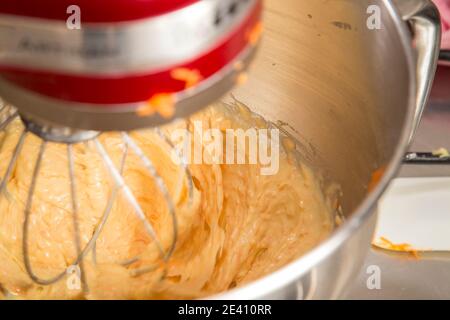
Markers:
point(384, 243)
point(255, 33)
point(375, 178)
point(161, 103)
point(190, 77)
point(242, 78)
point(238, 66)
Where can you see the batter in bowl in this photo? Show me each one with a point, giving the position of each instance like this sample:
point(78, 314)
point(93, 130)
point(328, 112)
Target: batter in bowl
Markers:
point(239, 226)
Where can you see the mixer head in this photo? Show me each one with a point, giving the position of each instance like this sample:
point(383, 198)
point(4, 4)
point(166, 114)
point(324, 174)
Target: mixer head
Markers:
point(131, 64)
point(122, 66)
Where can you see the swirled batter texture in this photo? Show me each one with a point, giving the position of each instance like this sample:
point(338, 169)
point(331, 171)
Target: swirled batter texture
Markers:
point(236, 226)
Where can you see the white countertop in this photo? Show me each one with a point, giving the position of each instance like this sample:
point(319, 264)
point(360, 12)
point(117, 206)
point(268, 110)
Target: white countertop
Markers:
point(416, 211)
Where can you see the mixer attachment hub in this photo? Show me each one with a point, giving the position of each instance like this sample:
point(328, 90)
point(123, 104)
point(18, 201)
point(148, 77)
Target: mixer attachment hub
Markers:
point(58, 134)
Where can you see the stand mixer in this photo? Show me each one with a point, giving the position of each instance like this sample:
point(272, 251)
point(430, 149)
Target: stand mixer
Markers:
point(71, 70)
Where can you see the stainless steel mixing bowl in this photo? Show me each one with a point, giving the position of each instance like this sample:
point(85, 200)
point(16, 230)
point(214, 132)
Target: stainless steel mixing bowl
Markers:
point(354, 97)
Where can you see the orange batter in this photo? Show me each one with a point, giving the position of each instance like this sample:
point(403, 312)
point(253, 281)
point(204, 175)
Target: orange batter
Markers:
point(240, 226)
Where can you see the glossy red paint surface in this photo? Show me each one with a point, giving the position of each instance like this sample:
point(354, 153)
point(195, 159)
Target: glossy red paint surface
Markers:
point(93, 10)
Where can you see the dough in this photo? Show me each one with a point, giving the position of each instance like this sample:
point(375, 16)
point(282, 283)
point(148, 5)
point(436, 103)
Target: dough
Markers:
point(239, 226)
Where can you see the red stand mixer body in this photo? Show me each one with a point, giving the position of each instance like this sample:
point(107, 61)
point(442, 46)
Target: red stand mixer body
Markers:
point(96, 74)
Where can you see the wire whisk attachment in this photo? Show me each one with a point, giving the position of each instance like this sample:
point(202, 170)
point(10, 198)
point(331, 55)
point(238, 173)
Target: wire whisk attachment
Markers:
point(75, 147)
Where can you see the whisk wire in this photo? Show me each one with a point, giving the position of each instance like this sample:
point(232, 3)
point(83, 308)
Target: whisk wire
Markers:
point(120, 184)
point(29, 203)
point(162, 187)
point(108, 209)
point(10, 118)
point(28, 207)
point(13, 161)
point(76, 226)
point(183, 163)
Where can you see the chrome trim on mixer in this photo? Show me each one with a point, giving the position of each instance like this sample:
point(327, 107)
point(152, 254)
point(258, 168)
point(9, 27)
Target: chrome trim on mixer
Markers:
point(130, 47)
